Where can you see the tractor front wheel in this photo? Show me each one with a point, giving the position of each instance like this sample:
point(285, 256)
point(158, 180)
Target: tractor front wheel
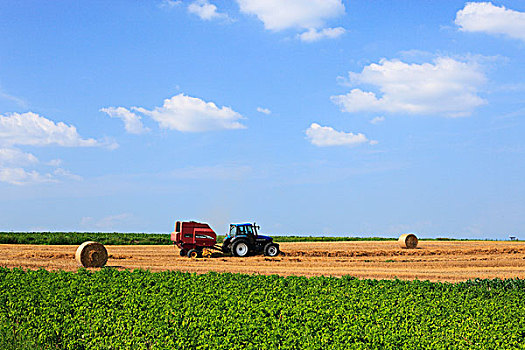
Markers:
point(183, 252)
point(271, 249)
point(240, 249)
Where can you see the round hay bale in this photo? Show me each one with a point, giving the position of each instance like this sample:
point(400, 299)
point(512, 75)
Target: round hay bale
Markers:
point(408, 240)
point(91, 254)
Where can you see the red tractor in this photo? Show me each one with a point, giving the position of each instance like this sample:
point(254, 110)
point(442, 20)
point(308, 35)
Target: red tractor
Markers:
point(243, 239)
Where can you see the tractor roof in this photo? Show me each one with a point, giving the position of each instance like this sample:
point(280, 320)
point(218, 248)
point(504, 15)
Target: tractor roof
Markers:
point(245, 224)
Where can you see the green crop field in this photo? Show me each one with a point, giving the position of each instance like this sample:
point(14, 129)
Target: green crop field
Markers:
point(113, 309)
point(116, 238)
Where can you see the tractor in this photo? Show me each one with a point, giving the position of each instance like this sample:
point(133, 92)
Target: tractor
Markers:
point(244, 239)
point(194, 238)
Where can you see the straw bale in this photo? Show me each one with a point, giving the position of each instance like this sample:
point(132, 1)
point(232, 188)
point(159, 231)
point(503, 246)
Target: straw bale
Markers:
point(91, 254)
point(408, 240)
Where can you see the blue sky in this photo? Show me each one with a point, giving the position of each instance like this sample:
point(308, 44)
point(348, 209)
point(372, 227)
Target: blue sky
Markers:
point(308, 116)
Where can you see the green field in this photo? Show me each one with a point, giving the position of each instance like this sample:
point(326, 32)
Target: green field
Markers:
point(115, 238)
point(113, 309)
point(77, 238)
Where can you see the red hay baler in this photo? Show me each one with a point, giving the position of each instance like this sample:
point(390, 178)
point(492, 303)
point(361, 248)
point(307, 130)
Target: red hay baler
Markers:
point(192, 237)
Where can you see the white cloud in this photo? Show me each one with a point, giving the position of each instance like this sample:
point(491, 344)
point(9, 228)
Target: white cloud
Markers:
point(324, 136)
point(54, 162)
point(14, 156)
point(63, 173)
point(19, 101)
point(19, 176)
point(31, 129)
point(205, 10)
point(12, 160)
point(132, 122)
point(264, 110)
point(283, 14)
point(315, 35)
point(312, 15)
point(445, 87)
point(191, 114)
point(169, 4)
point(484, 17)
point(377, 120)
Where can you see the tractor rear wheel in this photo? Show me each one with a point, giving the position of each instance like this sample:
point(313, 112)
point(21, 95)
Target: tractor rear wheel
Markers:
point(240, 249)
point(183, 252)
point(271, 249)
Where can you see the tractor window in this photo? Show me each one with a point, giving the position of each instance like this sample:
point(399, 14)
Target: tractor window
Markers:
point(233, 231)
point(245, 230)
point(177, 226)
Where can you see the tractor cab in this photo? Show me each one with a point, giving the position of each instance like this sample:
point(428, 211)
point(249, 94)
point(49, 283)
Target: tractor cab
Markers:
point(247, 230)
point(245, 238)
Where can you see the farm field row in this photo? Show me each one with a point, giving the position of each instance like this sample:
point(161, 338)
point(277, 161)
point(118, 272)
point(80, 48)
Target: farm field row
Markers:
point(432, 260)
point(112, 309)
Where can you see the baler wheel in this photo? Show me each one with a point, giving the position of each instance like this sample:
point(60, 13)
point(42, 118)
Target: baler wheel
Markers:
point(194, 253)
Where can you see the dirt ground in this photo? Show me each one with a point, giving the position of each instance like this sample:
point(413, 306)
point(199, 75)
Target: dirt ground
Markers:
point(434, 261)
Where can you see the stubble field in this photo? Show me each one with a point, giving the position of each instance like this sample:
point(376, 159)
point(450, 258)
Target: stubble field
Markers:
point(433, 260)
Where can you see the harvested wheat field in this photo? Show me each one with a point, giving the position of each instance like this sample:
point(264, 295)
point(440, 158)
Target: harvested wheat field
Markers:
point(431, 260)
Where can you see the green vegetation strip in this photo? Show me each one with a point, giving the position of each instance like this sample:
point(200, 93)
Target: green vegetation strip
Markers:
point(116, 238)
point(77, 238)
point(112, 309)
